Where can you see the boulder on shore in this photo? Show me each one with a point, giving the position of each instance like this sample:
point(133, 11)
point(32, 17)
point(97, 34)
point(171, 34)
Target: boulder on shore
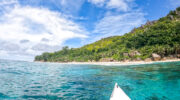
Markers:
point(171, 57)
point(137, 59)
point(148, 60)
point(164, 58)
point(156, 57)
point(126, 60)
point(178, 55)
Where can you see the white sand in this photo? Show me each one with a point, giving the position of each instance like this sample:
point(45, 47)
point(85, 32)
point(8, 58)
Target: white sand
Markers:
point(119, 63)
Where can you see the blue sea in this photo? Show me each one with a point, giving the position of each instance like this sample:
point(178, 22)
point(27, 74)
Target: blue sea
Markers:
point(52, 81)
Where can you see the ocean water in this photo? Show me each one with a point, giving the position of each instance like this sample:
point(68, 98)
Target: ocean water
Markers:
point(52, 81)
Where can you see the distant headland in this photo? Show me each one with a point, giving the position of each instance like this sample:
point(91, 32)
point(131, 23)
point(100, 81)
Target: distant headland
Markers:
point(155, 41)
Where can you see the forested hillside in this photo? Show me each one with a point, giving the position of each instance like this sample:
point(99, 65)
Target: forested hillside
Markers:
point(159, 38)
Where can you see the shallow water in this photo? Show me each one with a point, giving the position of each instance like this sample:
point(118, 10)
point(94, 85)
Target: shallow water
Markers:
point(29, 80)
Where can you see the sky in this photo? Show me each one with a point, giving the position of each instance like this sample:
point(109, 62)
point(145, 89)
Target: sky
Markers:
point(31, 27)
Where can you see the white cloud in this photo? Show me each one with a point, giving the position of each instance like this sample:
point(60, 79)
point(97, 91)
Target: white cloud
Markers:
point(97, 2)
point(26, 31)
point(69, 6)
point(23, 31)
point(118, 24)
point(7, 2)
point(119, 4)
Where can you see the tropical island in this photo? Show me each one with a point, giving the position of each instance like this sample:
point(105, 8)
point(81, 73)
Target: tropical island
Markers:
point(155, 41)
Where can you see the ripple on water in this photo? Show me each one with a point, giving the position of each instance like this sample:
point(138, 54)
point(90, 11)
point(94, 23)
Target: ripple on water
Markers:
point(42, 81)
point(51, 97)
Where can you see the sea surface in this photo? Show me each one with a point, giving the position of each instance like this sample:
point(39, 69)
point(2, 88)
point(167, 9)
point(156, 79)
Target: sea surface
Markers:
point(51, 81)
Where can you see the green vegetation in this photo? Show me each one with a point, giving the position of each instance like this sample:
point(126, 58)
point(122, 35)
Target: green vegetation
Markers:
point(161, 37)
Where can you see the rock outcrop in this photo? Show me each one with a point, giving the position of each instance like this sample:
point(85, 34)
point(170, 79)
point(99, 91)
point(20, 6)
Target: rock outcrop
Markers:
point(164, 59)
point(156, 57)
point(134, 53)
point(148, 60)
point(178, 12)
point(171, 17)
point(178, 55)
point(138, 59)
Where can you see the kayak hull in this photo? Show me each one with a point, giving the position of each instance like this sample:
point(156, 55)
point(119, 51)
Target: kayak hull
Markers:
point(118, 94)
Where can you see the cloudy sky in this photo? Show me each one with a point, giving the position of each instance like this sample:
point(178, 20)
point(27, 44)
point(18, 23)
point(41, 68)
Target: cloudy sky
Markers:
point(30, 27)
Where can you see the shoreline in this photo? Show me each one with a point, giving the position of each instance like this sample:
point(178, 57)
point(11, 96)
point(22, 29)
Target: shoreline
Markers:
point(115, 63)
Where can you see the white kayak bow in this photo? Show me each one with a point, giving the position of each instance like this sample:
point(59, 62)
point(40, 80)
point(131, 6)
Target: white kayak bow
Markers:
point(118, 94)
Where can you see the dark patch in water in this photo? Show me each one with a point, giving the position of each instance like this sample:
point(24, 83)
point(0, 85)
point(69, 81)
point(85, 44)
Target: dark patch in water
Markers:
point(152, 98)
point(127, 88)
point(11, 72)
point(36, 83)
point(66, 87)
point(47, 97)
point(139, 82)
point(26, 90)
point(80, 88)
point(173, 77)
point(3, 95)
point(56, 90)
point(37, 87)
point(69, 94)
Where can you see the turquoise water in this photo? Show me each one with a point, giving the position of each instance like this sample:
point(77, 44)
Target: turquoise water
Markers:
point(50, 81)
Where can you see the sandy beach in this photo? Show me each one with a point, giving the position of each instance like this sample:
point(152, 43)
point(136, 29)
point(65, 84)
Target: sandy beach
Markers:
point(119, 63)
